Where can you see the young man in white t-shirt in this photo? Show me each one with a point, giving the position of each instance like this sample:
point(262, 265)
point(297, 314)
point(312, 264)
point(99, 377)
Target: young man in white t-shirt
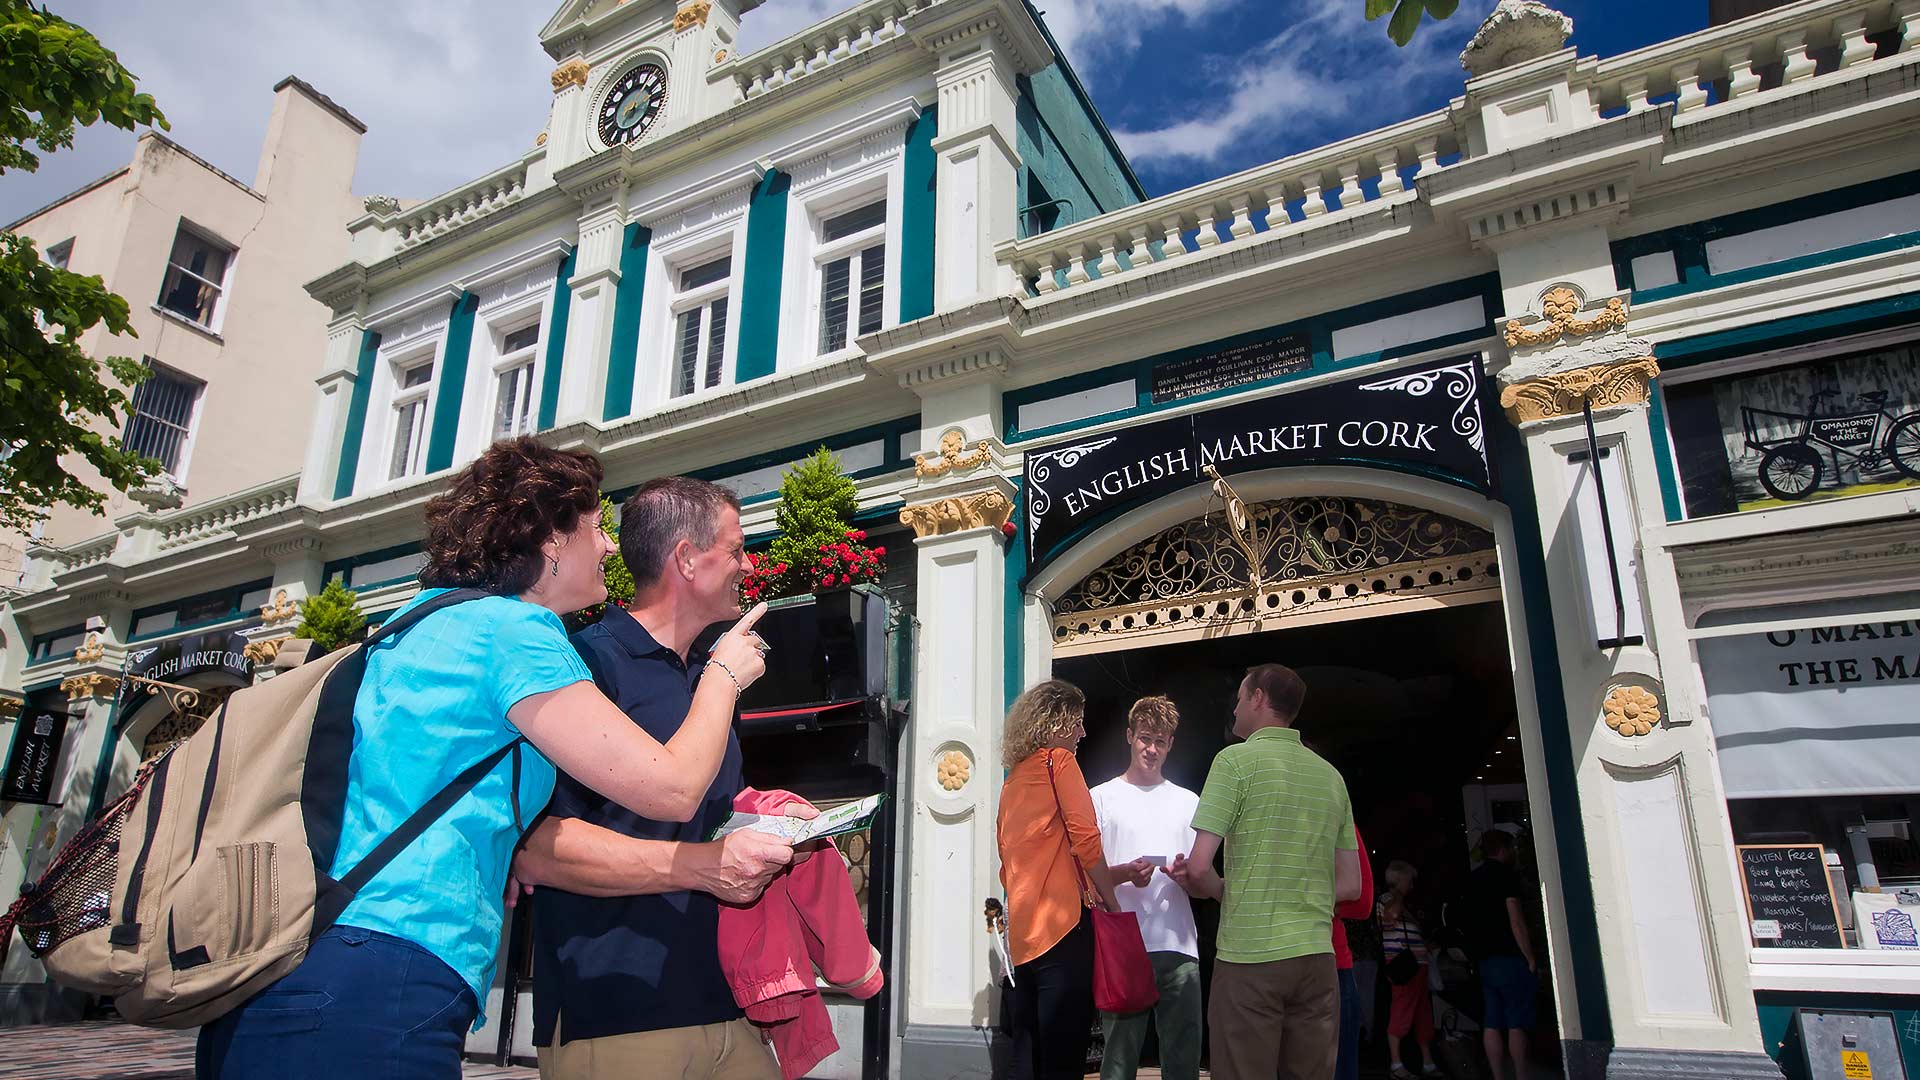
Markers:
point(1145, 820)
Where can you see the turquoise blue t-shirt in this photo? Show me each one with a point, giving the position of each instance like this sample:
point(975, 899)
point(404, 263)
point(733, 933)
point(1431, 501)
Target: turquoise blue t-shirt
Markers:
point(435, 701)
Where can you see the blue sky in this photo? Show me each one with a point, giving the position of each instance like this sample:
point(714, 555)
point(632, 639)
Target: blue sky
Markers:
point(451, 89)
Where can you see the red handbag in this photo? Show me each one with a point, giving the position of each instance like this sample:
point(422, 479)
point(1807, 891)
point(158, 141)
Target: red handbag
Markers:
point(1122, 975)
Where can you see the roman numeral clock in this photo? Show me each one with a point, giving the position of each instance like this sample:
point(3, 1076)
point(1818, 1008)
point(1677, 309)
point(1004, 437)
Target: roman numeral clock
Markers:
point(631, 104)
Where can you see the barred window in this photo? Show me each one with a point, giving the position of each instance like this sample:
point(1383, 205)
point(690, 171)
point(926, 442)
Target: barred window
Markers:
point(161, 426)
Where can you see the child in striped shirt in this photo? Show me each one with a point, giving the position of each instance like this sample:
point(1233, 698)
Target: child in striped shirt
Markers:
point(1405, 950)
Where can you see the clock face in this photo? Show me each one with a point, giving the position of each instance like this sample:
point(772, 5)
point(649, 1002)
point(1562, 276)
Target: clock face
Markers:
point(631, 105)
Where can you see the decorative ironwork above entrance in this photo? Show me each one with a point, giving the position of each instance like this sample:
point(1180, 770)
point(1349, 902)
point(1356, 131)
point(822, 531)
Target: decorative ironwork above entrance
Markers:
point(1318, 559)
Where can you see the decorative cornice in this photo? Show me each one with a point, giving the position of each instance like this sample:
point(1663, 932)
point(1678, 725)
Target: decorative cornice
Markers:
point(692, 15)
point(953, 456)
point(572, 73)
point(986, 364)
point(92, 684)
point(985, 509)
point(1562, 393)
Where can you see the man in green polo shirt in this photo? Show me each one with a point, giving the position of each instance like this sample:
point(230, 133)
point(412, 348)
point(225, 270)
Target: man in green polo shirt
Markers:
point(1291, 853)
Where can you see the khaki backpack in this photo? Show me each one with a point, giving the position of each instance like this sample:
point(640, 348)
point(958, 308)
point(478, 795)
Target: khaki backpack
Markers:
point(209, 878)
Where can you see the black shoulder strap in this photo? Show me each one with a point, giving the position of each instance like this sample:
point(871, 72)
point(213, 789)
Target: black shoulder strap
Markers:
point(323, 787)
point(410, 829)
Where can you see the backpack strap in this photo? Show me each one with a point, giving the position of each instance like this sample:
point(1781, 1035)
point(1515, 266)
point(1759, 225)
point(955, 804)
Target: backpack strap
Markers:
point(323, 786)
point(410, 829)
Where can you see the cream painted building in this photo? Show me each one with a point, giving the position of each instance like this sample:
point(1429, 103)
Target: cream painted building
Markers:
point(1577, 426)
point(212, 268)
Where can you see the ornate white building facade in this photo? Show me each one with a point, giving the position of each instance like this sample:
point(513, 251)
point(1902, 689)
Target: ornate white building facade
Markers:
point(1609, 367)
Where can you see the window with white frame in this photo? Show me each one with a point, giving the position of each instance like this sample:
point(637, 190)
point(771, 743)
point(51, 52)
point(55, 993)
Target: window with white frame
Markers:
point(700, 326)
point(513, 383)
point(852, 266)
point(196, 281)
point(161, 426)
point(412, 381)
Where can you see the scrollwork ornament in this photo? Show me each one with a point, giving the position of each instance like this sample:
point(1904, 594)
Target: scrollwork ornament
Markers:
point(953, 456)
point(90, 650)
point(1559, 310)
point(572, 73)
point(989, 509)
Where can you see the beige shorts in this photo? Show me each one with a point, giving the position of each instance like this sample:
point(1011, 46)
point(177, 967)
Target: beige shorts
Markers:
point(730, 1051)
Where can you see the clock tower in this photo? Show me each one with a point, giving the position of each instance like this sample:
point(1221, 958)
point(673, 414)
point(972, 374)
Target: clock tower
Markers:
point(632, 70)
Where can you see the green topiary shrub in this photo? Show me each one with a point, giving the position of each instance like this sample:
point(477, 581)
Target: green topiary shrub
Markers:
point(331, 618)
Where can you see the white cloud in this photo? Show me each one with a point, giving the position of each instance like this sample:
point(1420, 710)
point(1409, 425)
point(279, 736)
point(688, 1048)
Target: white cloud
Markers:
point(1093, 32)
point(1306, 80)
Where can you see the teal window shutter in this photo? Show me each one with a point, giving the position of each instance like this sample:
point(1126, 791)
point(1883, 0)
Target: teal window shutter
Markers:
point(453, 383)
point(356, 415)
point(917, 218)
point(760, 285)
point(624, 353)
point(556, 344)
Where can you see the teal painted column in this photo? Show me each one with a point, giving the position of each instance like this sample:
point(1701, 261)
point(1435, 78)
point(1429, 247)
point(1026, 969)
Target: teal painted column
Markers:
point(451, 384)
point(917, 217)
point(760, 285)
point(556, 344)
point(356, 415)
point(623, 355)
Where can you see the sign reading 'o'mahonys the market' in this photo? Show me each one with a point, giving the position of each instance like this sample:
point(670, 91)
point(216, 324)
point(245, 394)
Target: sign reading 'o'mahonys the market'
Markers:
point(1425, 418)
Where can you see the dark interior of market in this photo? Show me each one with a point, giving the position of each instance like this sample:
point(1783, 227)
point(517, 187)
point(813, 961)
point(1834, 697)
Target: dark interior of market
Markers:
point(1417, 712)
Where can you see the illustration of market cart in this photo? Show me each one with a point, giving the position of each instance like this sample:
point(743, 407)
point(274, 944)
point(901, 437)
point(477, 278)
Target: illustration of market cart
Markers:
point(1872, 439)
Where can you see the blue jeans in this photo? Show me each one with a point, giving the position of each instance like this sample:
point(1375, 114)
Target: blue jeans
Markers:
point(362, 1005)
point(1347, 1065)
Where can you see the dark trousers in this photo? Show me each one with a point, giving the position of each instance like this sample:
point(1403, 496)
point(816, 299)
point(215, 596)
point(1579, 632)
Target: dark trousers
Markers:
point(362, 1005)
point(1050, 1009)
point(1347, 1065)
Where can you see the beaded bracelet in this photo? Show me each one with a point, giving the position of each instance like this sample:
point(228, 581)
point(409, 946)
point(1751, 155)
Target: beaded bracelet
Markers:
point(729, 673)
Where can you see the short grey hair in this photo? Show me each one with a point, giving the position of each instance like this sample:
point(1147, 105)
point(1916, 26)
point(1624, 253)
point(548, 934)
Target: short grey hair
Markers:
point(663, 512)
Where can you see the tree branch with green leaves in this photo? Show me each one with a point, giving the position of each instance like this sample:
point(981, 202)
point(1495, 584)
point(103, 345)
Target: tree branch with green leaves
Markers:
point(56, 77)
point(1406, 15)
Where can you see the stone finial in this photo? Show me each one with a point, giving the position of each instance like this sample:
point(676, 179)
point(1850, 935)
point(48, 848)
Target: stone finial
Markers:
point(158, 493)
point(381, 205)
point(1516, 32)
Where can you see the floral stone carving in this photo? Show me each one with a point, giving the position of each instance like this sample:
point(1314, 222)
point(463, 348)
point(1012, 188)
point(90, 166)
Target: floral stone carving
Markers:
point(1517, 31)
point(1560, 308)
point(1631, 710)
point(953, 770)
point(953, 455)
point(986, 509)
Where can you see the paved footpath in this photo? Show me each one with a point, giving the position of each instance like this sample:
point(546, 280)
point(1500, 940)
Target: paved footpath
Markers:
point(107, 1050)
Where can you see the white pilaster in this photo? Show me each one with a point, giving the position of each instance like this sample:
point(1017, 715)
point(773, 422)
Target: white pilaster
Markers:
point(338, 376)
point(977, 172)
point(596, 274)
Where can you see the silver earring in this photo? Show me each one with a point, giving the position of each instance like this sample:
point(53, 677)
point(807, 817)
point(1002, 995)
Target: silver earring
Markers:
point(553, 567)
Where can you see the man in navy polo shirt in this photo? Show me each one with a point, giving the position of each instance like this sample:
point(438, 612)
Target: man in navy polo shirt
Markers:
point(627, 978)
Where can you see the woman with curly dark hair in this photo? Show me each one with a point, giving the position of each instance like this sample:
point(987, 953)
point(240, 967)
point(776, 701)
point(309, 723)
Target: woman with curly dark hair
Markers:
point(394, 986)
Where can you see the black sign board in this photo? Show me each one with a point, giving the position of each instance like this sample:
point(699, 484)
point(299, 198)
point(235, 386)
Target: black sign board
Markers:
point(222, 650)
point(1789, 897)
point(1424, 419)
point(35, 755)
point(1223, 369)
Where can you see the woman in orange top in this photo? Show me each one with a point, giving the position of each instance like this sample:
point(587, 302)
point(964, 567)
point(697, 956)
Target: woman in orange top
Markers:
point(1046, 827)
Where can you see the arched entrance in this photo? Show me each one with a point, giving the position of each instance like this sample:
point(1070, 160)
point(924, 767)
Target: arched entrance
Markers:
point(1387, 592)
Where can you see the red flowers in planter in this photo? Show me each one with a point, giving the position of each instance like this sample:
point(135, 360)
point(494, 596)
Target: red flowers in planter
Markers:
point(848, 562)
point(761, 578)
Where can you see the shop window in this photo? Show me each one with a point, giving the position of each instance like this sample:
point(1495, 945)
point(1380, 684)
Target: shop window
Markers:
point(513, 383)
point(852, 269)
point(408, 449)
point(700, 326)
point(161, 426)
point(217, 606)
point(1796, 431)
point(1817, 726)
point(58, 645)
point(196, 281)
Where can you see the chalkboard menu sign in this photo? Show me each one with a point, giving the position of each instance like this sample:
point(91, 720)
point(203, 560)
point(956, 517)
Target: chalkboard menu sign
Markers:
point(1789, 896)
point(1223, 369)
